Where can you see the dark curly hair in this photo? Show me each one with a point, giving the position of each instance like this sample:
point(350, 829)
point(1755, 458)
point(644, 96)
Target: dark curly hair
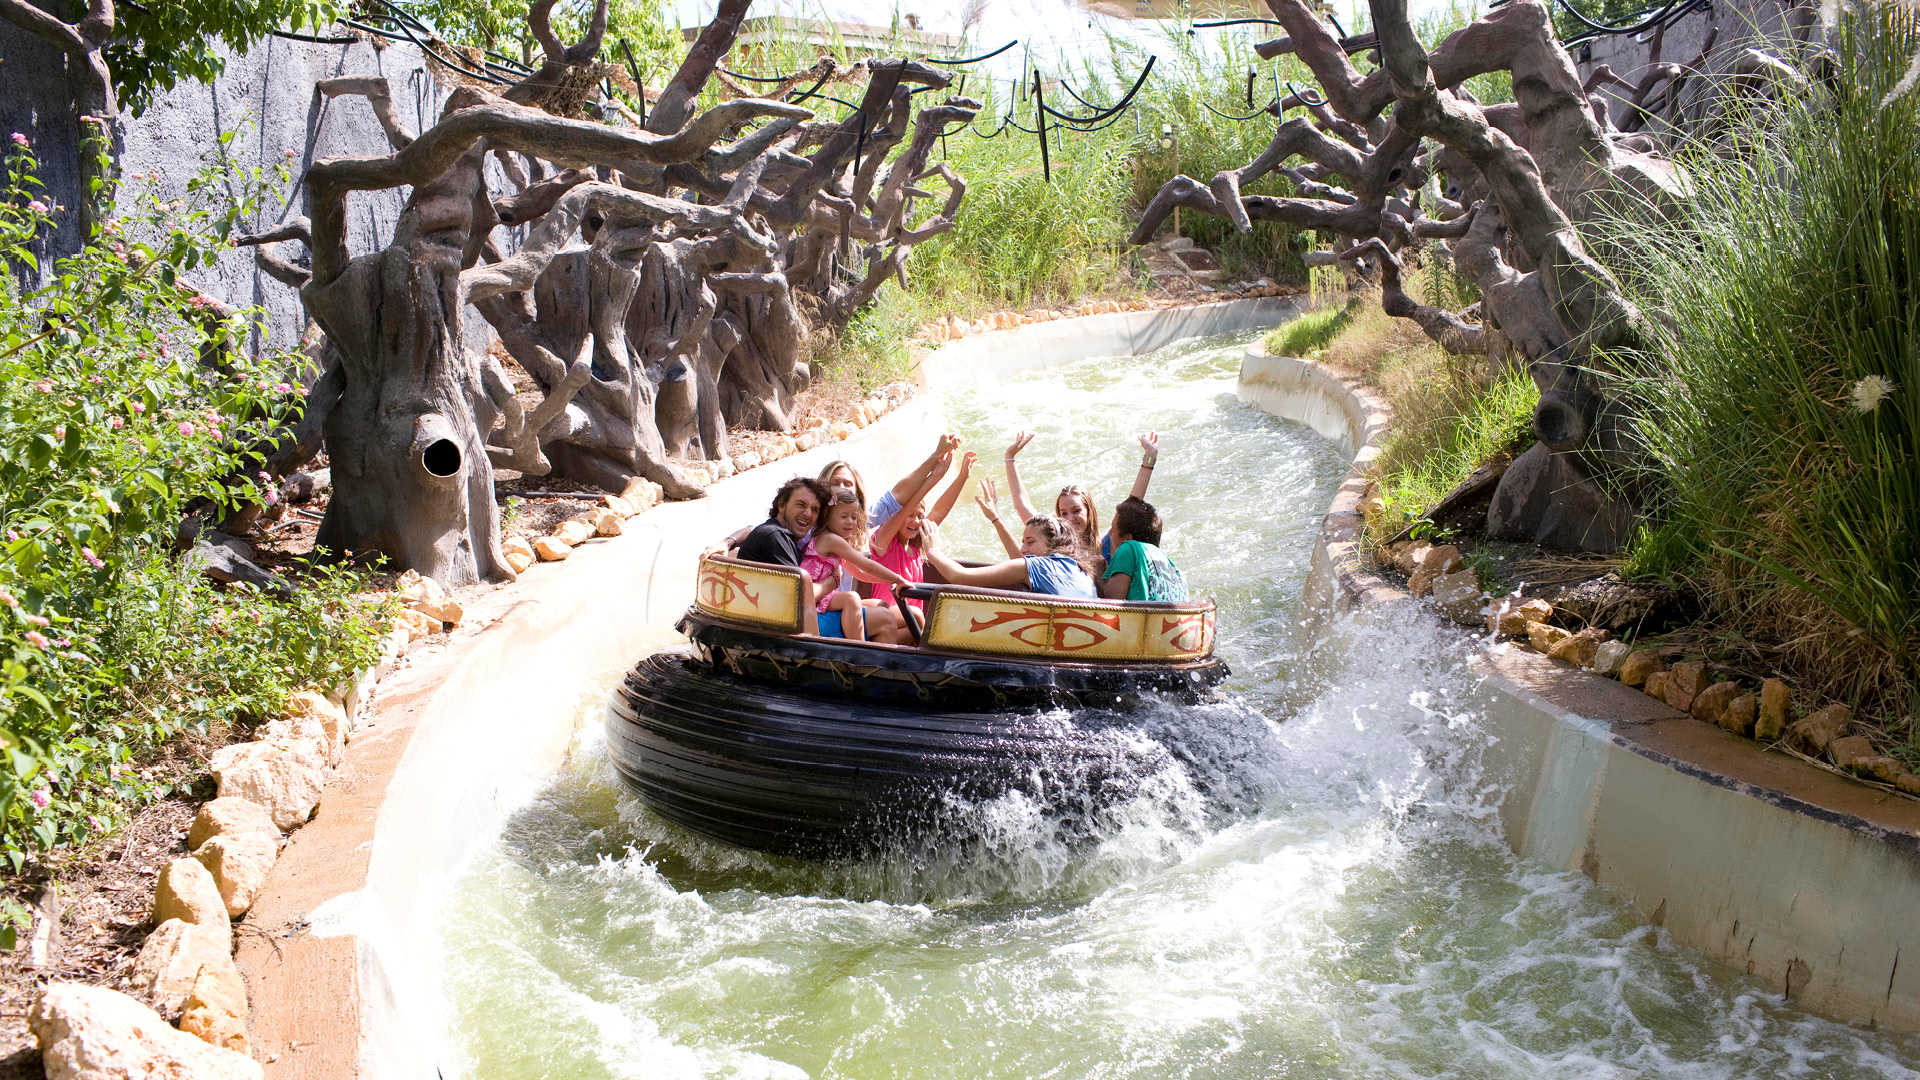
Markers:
point(787, 489)
point(1138, 519)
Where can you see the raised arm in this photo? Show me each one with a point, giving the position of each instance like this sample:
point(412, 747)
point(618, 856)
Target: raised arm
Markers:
point(944, 504)
point(883, 537)
point(929, 471)
point(1149, 453)
point(989, 503)
point(1022, 506)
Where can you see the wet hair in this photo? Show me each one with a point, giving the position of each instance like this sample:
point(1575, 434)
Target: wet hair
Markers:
point(826, 479)
point(1091, 537)
point(1138, 519)
point(787, 489)
point(1058, 536)
point(837, 499)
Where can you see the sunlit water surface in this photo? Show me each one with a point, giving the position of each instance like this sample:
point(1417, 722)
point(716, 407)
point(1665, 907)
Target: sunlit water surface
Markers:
point(1311, 884)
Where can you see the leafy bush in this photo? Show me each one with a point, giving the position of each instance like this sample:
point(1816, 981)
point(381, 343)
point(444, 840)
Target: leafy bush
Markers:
point(1445, 429)
point(1782, 420)
point(124, 404)
point(155, 46)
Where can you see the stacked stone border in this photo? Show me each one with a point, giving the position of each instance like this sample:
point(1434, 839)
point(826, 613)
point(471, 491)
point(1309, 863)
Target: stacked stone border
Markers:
point(1765, 862)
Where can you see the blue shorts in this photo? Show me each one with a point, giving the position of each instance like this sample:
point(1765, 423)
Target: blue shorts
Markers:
point(830, 624)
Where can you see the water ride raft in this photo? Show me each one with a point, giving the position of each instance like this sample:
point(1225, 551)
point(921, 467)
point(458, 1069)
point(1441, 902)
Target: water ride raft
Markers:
point(825, 747)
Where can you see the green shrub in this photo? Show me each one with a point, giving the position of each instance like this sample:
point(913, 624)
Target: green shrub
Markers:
point(1782, 420)
point(1444, 433)
point(1308, 334)
point(122, 408)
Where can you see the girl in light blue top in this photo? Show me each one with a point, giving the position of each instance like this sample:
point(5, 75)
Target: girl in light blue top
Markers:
point(1048, 562)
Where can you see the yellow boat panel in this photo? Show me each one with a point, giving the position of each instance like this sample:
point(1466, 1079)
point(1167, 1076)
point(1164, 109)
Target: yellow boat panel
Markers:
point(1068, 629)
point(752, 593)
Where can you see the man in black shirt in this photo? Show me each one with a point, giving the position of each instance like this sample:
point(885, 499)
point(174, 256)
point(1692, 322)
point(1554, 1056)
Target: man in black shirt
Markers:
point(796, 506)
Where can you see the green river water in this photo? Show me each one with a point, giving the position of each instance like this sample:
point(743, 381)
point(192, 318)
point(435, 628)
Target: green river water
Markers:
point(1309, 882)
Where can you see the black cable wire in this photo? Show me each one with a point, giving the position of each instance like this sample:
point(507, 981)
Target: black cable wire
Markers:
point(1309, 96)
point(973, 59)
point(812, 90)
point(313, 39)
point(744, 77)
point(1635, 28)
point(1262, 111)
point(1672, 14)
point(1099, 116)
point(1217, 23)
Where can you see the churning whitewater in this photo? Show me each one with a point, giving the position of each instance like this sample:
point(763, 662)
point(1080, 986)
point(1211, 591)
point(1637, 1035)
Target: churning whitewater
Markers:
point(1306, 878)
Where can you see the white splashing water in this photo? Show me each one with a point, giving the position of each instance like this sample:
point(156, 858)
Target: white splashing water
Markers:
point(1308, 881)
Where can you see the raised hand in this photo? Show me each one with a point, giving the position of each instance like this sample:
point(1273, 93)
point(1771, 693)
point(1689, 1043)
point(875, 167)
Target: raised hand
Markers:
point(1019, 443)
point(966, 463)
point(988, 500)
point(1149, 447)
point(949, 442)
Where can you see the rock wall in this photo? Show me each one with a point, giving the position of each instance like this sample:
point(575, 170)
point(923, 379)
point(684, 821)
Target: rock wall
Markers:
point(1769, 25)
point(265, 97)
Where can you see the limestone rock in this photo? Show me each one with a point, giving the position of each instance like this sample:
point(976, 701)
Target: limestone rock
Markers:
point(1580, 649)
point(1774, 699)
point(516, 545)
point(307, 707)
point(1444, 559)
point(1639, 665)
point(93, 1033)
point(1510, 615)
point(1908, 782)
point(1544, 636)
point(840, 430)
point(1684, 683)
point(607, 523)
point(1711, 704)
point(418, 626)
point(187, 892)
point(1656, 686)
point(216, 1008)
point(617, 504)
point(1813, 734)
point(785, 446)
point(1407, 559)
point(1851, 752)
point(1740, 713)
point(573, 533)
point(239, 864)
point(229, 817)
point(425, 595)
point(744, 460)
point(1458, 597)
point(552, 549)
point(172, 956)
point(1608, 658)
point(520, 560)
point(810, 438)
point(1372, 507)
point(269, 775)
point(1881, 767)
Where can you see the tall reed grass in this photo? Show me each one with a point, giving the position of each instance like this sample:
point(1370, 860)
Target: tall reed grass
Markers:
point(1781, 420)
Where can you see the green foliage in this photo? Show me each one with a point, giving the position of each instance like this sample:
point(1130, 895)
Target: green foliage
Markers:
point(1455, 428)
point(1782, 416)
point(112, 427)
point(1307, 334)
point(156, 45)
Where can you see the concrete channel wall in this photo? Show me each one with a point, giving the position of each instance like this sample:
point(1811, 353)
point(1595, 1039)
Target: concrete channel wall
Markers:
point(1767, 865)
point(344, 971)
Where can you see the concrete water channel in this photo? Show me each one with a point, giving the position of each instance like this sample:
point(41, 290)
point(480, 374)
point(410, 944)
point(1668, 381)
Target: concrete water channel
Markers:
point(1317, 878)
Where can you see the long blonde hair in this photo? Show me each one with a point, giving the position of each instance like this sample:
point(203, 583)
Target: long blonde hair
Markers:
point(860, 489)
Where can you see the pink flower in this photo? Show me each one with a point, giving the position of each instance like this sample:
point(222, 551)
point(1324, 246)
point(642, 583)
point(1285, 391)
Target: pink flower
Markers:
point(283, 388)
point(36, 620)
point(271, 497)
point(37, 206)
point(96, 380)
point(45, 386)
point(12, 535)
point(39, 641)
point(60, 432)
point(186, 428)
point(139, 406)
point(41, 796)
point(116, 423)
point(19, 139)
point(92, 560)
point(8, 599)
point(164, 353)
point(265, 385)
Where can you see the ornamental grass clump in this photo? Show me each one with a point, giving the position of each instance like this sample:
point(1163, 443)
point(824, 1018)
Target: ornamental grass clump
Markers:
point(1782, 422)
point(126, 404)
